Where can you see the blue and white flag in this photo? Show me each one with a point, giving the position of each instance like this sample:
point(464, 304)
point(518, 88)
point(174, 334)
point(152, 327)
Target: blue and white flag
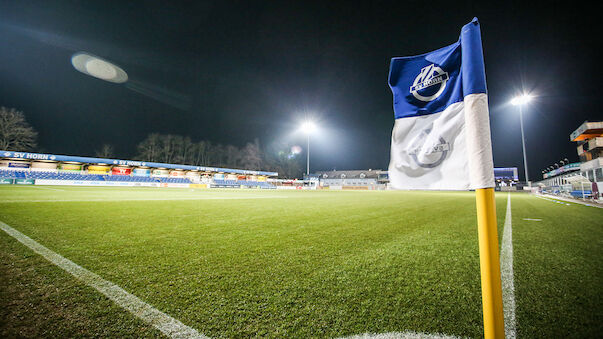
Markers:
point(441, 136)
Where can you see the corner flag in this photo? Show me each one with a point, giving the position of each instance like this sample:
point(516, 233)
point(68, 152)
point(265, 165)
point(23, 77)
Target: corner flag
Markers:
point(441, 140)
point(441, 135)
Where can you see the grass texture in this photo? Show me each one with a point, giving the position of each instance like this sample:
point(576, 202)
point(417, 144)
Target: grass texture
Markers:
point(297, 264)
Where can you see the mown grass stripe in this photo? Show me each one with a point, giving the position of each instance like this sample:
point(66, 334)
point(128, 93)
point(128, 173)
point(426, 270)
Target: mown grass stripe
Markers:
point(161, 321)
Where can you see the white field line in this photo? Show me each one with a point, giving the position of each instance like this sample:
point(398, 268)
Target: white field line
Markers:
point(506, 268)
point(161, 321)
point(552, 198)
point(400, 335)
point(141, 199)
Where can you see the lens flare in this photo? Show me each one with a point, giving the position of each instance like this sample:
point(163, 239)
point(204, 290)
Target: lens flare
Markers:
point(99, 68)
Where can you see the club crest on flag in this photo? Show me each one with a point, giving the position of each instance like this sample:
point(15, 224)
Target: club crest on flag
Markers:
point(428, 151)
point(430, 83)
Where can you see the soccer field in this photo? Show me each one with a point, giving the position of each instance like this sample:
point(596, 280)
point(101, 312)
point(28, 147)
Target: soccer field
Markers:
point(296, 264)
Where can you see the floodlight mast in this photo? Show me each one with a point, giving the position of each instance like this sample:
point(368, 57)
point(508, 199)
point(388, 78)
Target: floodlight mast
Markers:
point(520, 101)
point(308, 159)
point(308, 128)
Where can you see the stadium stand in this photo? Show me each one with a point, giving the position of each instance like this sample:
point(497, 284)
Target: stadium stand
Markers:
point(26, 174)
point(582, 179)
point(35, 168)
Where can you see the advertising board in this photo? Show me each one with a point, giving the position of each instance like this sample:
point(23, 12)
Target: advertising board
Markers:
point(93, 169)
point(44, 165)
point(141, 172)
point(224, 186)
point(24, 181)
point(18, 164)
point(121, 171)
point(70, 167)
point(177, 174)
point(160, 173)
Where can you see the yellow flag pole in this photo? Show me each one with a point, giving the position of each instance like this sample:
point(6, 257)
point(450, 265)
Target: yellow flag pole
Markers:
point(492, 304)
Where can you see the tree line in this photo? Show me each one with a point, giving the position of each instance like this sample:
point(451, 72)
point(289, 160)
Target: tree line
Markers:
point(17, 135)
point(177, 149)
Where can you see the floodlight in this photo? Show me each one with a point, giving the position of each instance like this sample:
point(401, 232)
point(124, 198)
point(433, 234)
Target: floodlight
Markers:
point(521, 99)
point(308, 127)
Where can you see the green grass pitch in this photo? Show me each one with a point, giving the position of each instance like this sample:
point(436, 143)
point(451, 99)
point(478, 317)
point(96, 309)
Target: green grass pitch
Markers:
point(296, 264)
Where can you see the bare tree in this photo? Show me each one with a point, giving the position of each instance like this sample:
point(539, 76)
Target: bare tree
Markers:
point(233, 156)
point(105, 152)
point(251, 156)
point(15, 133)
point(218, 155)
point(202, 153)
point(176, 149)
point(167, 148)
point(187, 151)
point(148, 149)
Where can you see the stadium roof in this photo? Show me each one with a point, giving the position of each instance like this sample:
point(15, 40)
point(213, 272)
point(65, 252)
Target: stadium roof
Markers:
point(577, 179)
point(71, 158)
point(587, 130)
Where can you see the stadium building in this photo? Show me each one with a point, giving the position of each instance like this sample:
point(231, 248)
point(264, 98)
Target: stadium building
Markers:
point(506, 178)
point(589, 137)
point(24, 168)
point(353, 179)
point(583, 178)
point(558, 176)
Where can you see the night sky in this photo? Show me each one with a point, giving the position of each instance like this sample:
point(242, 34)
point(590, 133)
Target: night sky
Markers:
point(231, 72)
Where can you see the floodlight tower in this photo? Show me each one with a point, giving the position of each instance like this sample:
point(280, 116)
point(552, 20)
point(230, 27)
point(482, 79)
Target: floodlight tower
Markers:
point(520, 101)
point(308, 128)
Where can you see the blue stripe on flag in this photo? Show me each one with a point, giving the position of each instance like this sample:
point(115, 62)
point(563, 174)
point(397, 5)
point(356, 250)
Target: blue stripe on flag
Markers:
point(474, 75)
point(429, 83)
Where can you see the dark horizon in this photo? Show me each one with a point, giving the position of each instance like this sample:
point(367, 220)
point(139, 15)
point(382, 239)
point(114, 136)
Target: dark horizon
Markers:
point(234, 72)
